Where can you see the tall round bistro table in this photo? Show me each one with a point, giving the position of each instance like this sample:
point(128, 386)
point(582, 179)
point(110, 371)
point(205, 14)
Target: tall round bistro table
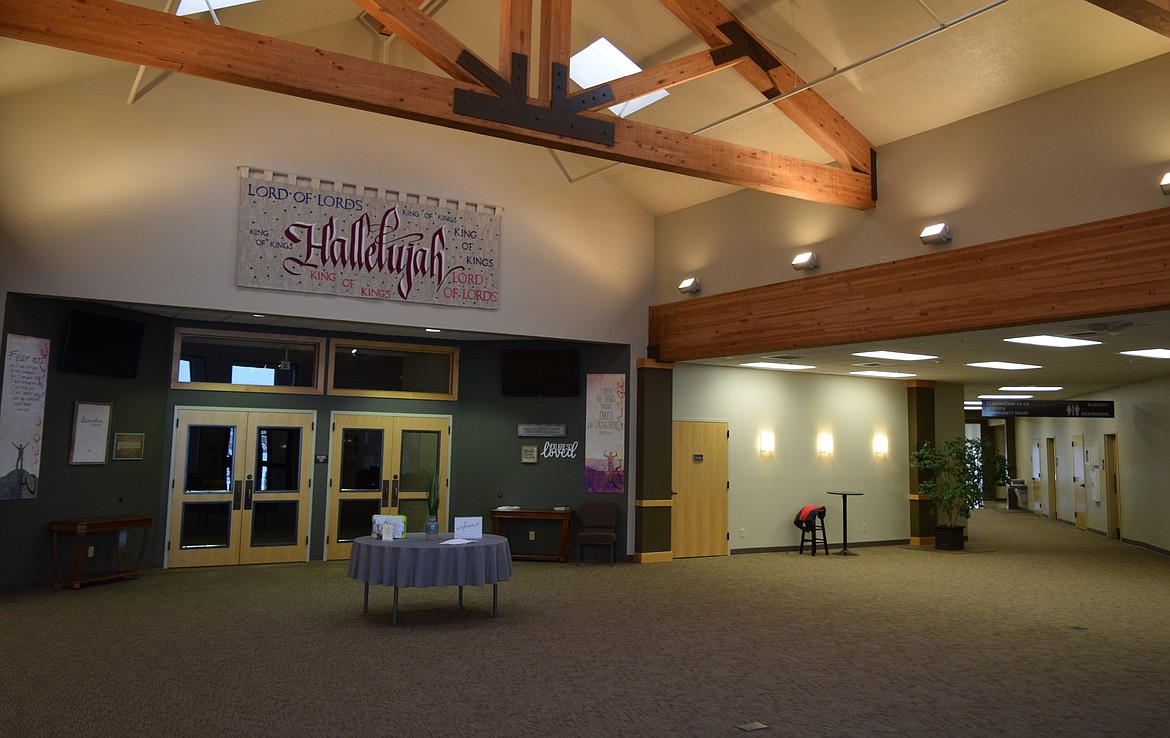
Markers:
point(845, 521)
point(417, 561)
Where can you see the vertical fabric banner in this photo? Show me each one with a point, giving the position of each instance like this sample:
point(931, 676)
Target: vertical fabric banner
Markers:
point(605, 434)
point(22, 415)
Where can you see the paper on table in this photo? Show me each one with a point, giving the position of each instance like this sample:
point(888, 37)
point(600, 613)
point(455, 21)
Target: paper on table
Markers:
point(453, 541)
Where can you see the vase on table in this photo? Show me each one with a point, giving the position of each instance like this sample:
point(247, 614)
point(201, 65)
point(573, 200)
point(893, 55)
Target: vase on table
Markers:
point(433, 526)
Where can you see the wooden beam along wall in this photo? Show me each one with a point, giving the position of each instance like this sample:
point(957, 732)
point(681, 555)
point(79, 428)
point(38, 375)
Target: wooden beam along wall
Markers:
point(1108, 267)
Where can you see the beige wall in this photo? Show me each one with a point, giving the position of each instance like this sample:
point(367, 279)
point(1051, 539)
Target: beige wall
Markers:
point(1081, 153)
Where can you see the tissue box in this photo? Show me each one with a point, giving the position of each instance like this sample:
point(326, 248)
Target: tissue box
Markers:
point(389, 526)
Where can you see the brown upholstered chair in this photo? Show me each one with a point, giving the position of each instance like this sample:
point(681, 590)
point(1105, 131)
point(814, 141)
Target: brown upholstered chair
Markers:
point(598, 528)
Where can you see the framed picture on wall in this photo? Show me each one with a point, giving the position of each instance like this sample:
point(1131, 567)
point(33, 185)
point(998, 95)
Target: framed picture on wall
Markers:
point(128, 446)
point(91, 432)
point(528, 455)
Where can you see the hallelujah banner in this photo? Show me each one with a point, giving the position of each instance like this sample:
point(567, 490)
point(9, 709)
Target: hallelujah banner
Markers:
point(305, 236)
point(605, 433)
point(22, 415)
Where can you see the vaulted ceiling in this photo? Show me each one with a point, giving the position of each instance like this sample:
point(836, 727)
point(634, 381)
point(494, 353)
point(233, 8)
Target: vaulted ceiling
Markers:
point(775, 95)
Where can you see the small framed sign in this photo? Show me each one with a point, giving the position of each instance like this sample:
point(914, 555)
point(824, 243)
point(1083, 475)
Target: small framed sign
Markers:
point(128, 446)
point(528, 455)
point(91, 432)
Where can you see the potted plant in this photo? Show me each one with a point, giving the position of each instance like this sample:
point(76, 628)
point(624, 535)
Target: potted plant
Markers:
point(433, 506)
point(957, 473)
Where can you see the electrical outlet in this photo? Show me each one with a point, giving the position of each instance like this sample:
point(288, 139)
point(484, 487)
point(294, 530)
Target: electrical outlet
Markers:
point(91, 552)
point(743, 533)
point(532, 535)
point(864, 527)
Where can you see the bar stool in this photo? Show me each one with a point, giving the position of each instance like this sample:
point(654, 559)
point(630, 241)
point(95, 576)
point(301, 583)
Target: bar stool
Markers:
point(810, 519)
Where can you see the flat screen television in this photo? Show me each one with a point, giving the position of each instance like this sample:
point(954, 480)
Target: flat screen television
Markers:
point(102, 345)
point(540, 372)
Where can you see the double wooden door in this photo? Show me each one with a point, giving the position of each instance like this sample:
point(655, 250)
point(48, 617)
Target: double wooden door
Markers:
point(384, 465)
point(240, 487)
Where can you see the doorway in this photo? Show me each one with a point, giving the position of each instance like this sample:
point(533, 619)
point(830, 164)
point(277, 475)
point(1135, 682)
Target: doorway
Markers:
point(1050, 476)
point(699, 469)
point(240, 487)
point(1112, 493)
point(384, 465)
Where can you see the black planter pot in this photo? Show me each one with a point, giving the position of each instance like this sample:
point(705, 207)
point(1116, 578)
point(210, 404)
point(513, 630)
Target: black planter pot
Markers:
point(949, 537)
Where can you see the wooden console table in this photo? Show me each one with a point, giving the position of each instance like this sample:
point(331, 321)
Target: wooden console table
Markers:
point(499, 525)
point(79, 529)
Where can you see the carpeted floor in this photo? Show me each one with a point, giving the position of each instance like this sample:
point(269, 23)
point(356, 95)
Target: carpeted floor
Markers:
point(1038, 629)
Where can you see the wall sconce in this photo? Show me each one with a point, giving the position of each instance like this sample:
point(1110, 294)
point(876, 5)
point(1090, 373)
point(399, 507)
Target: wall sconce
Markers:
point(805, 262)
point(767, 443)
point(881, 445)
point(689, 285)
point(825, 443)
point(1166, 183)
point(935, 234)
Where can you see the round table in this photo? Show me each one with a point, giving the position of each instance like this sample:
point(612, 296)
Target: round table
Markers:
point(419, 561)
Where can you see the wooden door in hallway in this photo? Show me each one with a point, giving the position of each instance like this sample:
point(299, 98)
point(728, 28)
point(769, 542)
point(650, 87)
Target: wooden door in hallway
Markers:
point(240, 485)
point(699, 468)
point(384, 465)
point(1050, 478)
point(1112, 493)
point(1080, 491)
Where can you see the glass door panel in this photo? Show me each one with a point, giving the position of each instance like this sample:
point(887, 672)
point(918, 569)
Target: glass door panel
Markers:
point(276, 491)
point(205, 519)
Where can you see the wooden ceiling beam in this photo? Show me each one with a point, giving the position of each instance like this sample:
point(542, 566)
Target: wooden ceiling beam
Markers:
point(663, 76)
point(555, 42)
point(1153, 14)
point(515, 31)
point(437, 44)
point(137, 35)
point(807, 109)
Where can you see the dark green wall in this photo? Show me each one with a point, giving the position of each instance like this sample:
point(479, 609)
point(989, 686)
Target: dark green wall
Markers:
point(486, 469)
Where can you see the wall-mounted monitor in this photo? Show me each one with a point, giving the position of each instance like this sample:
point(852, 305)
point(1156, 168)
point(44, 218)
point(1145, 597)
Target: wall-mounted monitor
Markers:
point(102, 345)
point(540, 372)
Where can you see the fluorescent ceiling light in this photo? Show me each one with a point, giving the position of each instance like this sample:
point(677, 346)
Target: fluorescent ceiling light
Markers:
point(773, 365)
point(1030, 389)
point(1005, 397)
point(433, 330)
point(1158, 353)
point(1053, 341)
point(191, 7)
point(1008, 365)
point(972, 403)
point(601, 62)
point(885, 375)
point(895, 355)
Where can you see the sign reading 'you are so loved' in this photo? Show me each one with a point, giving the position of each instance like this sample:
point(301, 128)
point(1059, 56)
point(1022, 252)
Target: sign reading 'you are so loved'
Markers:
point(302, 236)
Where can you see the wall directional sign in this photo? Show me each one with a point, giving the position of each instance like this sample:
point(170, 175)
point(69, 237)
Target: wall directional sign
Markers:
point(1048, 408)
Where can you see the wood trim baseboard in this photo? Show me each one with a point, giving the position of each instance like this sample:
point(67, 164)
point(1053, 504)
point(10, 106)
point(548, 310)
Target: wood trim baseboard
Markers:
point(653, 503)
point(923, 541)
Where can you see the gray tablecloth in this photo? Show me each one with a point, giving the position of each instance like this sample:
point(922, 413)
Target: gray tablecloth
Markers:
point(418, 562)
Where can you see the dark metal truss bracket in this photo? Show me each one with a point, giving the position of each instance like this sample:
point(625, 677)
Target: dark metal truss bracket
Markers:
point(510, 104)
point(744, 44)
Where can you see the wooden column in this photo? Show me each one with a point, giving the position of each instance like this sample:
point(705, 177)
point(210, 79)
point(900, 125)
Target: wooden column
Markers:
point(920, 429)
point(654, 499)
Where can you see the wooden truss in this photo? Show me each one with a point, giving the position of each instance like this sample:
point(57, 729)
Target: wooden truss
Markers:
point(491, 98)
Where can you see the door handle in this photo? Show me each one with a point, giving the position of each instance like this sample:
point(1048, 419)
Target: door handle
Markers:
point(236, 496)
point(394, 492)
point(248, 493)
point(385, 492)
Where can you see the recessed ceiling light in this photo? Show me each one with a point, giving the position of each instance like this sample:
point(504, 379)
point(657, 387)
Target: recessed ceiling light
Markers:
point(1030, 389)
point(1150, 353)
point(1005, 397)
point(972, 403)
point(884, 375)
point(1008, 365)
point(1053, 341)
point(774, 365)
point(432, 330)
point(895, 355)
point(259, 315)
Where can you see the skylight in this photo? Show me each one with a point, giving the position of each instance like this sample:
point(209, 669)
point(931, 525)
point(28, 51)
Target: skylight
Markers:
point(191, 7)
point(601, 62)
